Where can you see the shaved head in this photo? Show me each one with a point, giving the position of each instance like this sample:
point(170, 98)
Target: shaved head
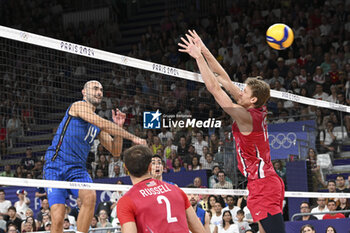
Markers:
point(91, 82)
point(93, 92)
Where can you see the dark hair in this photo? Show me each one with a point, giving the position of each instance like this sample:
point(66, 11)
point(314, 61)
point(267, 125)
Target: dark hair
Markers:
point(337, 177)
point(221, 171)
point(240, 212)
point(216, 199)
point(12, 208)
point(335, 231)
point(173, 162)
point(11, 224)
point(223, 214)
point(221, 200)
point(157, 156)
point(137, 159)
point(96, 218)
point(33, 224)
point(331, 181)
point(307, 225)
point(329, 201)
point(119, 181)
point(2, 191)
point(305, 202)
point(198, 163)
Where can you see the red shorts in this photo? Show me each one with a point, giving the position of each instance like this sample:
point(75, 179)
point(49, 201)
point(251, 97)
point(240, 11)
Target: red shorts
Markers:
point(265, 196)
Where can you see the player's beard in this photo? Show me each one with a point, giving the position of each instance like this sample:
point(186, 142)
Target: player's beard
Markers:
point(93, 100)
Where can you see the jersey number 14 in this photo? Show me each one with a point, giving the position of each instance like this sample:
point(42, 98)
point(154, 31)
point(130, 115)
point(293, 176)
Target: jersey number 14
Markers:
point(91, 132)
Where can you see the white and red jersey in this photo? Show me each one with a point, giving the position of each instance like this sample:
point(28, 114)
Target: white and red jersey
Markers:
point(155, 206)
point(253, 150)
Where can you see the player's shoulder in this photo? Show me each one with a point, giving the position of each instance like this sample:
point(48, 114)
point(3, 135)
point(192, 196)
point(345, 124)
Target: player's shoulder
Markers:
point(256, 111)
point(125, 200)
point(79, 107)
point(79, 103)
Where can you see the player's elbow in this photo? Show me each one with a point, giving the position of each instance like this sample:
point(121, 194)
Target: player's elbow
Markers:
point(214, 88)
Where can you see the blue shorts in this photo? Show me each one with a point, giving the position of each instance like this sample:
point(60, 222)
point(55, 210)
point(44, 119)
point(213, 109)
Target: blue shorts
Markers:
point(61, 171)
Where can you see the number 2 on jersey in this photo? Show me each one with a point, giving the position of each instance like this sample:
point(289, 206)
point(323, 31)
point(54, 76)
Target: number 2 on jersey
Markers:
point(160, 200)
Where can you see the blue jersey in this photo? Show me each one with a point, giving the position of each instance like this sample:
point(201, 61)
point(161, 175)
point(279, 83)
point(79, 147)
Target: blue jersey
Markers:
point(169, 182)
point(72, 141)
point(200, 214)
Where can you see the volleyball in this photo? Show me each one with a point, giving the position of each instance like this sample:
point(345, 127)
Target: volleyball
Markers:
point(279, 36)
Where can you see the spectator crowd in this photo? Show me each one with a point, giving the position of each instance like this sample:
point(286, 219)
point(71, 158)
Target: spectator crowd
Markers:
point(35, 82)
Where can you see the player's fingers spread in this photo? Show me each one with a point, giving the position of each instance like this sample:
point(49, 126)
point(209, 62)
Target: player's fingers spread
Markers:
point(185, 41)
point(182, 45)
point(189, 38)
point(183, 50)
point(194, 32)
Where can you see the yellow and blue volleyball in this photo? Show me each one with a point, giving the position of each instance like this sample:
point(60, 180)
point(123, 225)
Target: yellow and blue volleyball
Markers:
point(279, 36)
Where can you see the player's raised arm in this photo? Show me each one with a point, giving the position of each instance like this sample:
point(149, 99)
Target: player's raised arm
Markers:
point(237, 112)
point(113, 145)
point(84, 111)
point(214, 65)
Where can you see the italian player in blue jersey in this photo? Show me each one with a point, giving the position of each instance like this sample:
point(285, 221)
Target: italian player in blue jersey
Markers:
point(65, 159)
point(157, 169)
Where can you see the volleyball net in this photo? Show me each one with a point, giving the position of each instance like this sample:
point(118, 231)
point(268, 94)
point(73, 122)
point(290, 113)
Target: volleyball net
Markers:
point(42, 76)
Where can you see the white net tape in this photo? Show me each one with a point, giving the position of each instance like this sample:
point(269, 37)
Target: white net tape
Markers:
point(69, 47)
point(118, 187)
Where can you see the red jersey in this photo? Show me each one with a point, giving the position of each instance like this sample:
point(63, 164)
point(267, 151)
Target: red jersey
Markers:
point(155, 206)
point(253, 150)
point(336, 216)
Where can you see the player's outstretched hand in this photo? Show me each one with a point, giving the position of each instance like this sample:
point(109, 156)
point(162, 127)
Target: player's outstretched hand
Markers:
point(139, 141)
point(196, 39)
point(190, 47)
point(118, 117)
